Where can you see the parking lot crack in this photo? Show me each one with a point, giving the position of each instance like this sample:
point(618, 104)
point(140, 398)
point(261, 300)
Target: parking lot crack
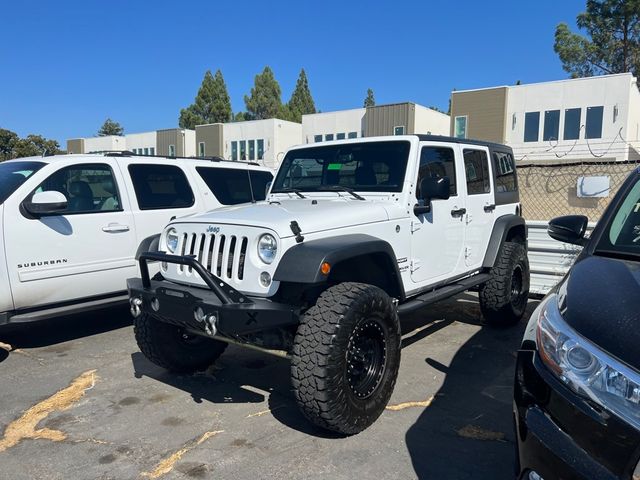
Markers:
point(402, 406)
point(25, 426)
point(166, 465)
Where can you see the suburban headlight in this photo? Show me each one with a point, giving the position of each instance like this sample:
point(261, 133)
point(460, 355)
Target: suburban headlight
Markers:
point(172, 240)
point(267, 248)
point(584, 367)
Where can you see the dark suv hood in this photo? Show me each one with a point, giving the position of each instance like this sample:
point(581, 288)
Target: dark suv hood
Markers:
point(600, 299)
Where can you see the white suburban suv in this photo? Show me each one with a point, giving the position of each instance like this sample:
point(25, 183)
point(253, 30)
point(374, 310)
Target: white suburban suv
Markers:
point(71, 224)
point(351, 234)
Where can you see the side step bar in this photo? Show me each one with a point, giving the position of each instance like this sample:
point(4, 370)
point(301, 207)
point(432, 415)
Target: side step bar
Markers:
point(442, 293)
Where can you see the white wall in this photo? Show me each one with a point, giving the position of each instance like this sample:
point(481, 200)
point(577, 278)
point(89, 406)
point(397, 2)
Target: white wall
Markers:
point(100, 144)
point(136, 141)
point(610, 91)
point(287, 135)
point(431, 122)
point(189, 143)
point(343, 121)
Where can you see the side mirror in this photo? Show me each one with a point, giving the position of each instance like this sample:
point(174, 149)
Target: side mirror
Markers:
point(569, 229)
point(432, 188)
point(46, 203)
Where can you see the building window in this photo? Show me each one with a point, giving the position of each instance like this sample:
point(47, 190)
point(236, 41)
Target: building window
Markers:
point(317, 138)
point(594, 122)
point(398, 130)
point(172, 150)
point(328, 137)
point(252, 149)
point(572, 123)
point(531, 126)
point(234, 151)
point(146, 151)
point(551, 125)
point(260, 149)
point(152, 150)
point(201, 149)
point(243, 149)
point(460, 127)
point(340, 136)
point(353, 135)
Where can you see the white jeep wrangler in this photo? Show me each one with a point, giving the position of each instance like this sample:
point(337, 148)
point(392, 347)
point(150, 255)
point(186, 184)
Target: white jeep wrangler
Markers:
point(352, 234)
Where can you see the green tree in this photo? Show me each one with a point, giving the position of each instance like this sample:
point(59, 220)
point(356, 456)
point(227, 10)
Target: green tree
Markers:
point(241, 117)
point(301, 102)
point(211, 105)
point(264, 101)
point(8, 140)
point(612, 43)
point(369, 101)
point(109, 127)
point(35, 145)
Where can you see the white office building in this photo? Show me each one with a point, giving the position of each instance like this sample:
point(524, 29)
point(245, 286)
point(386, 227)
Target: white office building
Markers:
point(566, 120)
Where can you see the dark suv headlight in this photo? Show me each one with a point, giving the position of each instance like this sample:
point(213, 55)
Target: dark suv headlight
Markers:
point(584, 367)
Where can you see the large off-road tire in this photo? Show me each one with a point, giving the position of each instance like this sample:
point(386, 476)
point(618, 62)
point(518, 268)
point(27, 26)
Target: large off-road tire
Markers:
point(503, 299)
point(346, 355)
point(170, 347)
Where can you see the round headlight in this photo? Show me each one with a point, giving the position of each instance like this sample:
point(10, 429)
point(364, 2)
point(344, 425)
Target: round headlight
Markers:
point(172, 240)
point(267, 248)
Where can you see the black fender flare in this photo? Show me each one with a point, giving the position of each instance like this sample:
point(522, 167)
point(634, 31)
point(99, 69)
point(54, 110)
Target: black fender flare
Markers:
point(301, 263)
point(499, 235)
point(149, 244)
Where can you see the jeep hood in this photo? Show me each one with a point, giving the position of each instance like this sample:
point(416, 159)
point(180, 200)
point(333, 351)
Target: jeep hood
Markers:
point(312, 215)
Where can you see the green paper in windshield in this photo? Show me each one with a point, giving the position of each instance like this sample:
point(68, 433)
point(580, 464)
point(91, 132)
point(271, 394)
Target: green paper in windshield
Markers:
point(334, 166)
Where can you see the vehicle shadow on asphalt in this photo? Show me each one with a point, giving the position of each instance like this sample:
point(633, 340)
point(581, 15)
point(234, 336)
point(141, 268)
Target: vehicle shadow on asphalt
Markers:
point(62, 329)
point(467, 430)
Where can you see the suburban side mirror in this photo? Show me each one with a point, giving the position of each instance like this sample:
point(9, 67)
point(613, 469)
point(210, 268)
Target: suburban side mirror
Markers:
point(432, 188)
point(569, 229)
point(46, 203)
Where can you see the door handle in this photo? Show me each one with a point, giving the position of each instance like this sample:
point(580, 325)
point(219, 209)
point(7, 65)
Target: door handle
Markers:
point(115, 228)
point(458, 212)
point(489, 208)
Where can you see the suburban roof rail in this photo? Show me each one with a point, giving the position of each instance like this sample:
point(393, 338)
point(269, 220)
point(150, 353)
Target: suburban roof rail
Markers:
point(128, 153)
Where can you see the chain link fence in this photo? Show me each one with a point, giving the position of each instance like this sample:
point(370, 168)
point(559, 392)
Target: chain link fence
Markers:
point(552, 190)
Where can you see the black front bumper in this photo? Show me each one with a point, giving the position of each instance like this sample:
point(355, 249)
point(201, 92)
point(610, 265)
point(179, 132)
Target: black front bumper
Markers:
point(560, 435)
point(231, 312)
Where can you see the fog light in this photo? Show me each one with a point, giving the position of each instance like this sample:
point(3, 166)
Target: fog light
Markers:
point(265, 279)
point(136, 306)
point(155, 304)
point(198, 314)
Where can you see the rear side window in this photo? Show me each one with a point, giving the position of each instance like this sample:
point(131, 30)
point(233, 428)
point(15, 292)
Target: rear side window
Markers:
point(232, 186)
point(161, 186)
point(505, 172)
point(437, 162)
point(89, 188)
point(476, 166)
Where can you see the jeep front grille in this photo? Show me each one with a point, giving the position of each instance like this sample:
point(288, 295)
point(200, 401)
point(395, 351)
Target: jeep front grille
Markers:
point(222, 255)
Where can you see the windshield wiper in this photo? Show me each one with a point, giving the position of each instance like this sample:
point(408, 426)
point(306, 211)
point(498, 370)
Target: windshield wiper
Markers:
point(290, 190)
point(340, 188)
point(623, 255)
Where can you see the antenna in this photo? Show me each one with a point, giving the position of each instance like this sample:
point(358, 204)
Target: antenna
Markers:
point(253, 200)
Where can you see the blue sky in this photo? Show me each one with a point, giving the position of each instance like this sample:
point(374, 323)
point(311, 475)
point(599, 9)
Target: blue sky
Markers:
point(65, 66)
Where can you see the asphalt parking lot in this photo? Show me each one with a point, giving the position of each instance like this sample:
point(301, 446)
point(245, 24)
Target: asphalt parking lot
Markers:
point(80, 401)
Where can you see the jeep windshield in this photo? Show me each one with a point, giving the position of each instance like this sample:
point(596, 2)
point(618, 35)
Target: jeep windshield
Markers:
point(14, 174)
point(621, 237)
point(362, 167)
